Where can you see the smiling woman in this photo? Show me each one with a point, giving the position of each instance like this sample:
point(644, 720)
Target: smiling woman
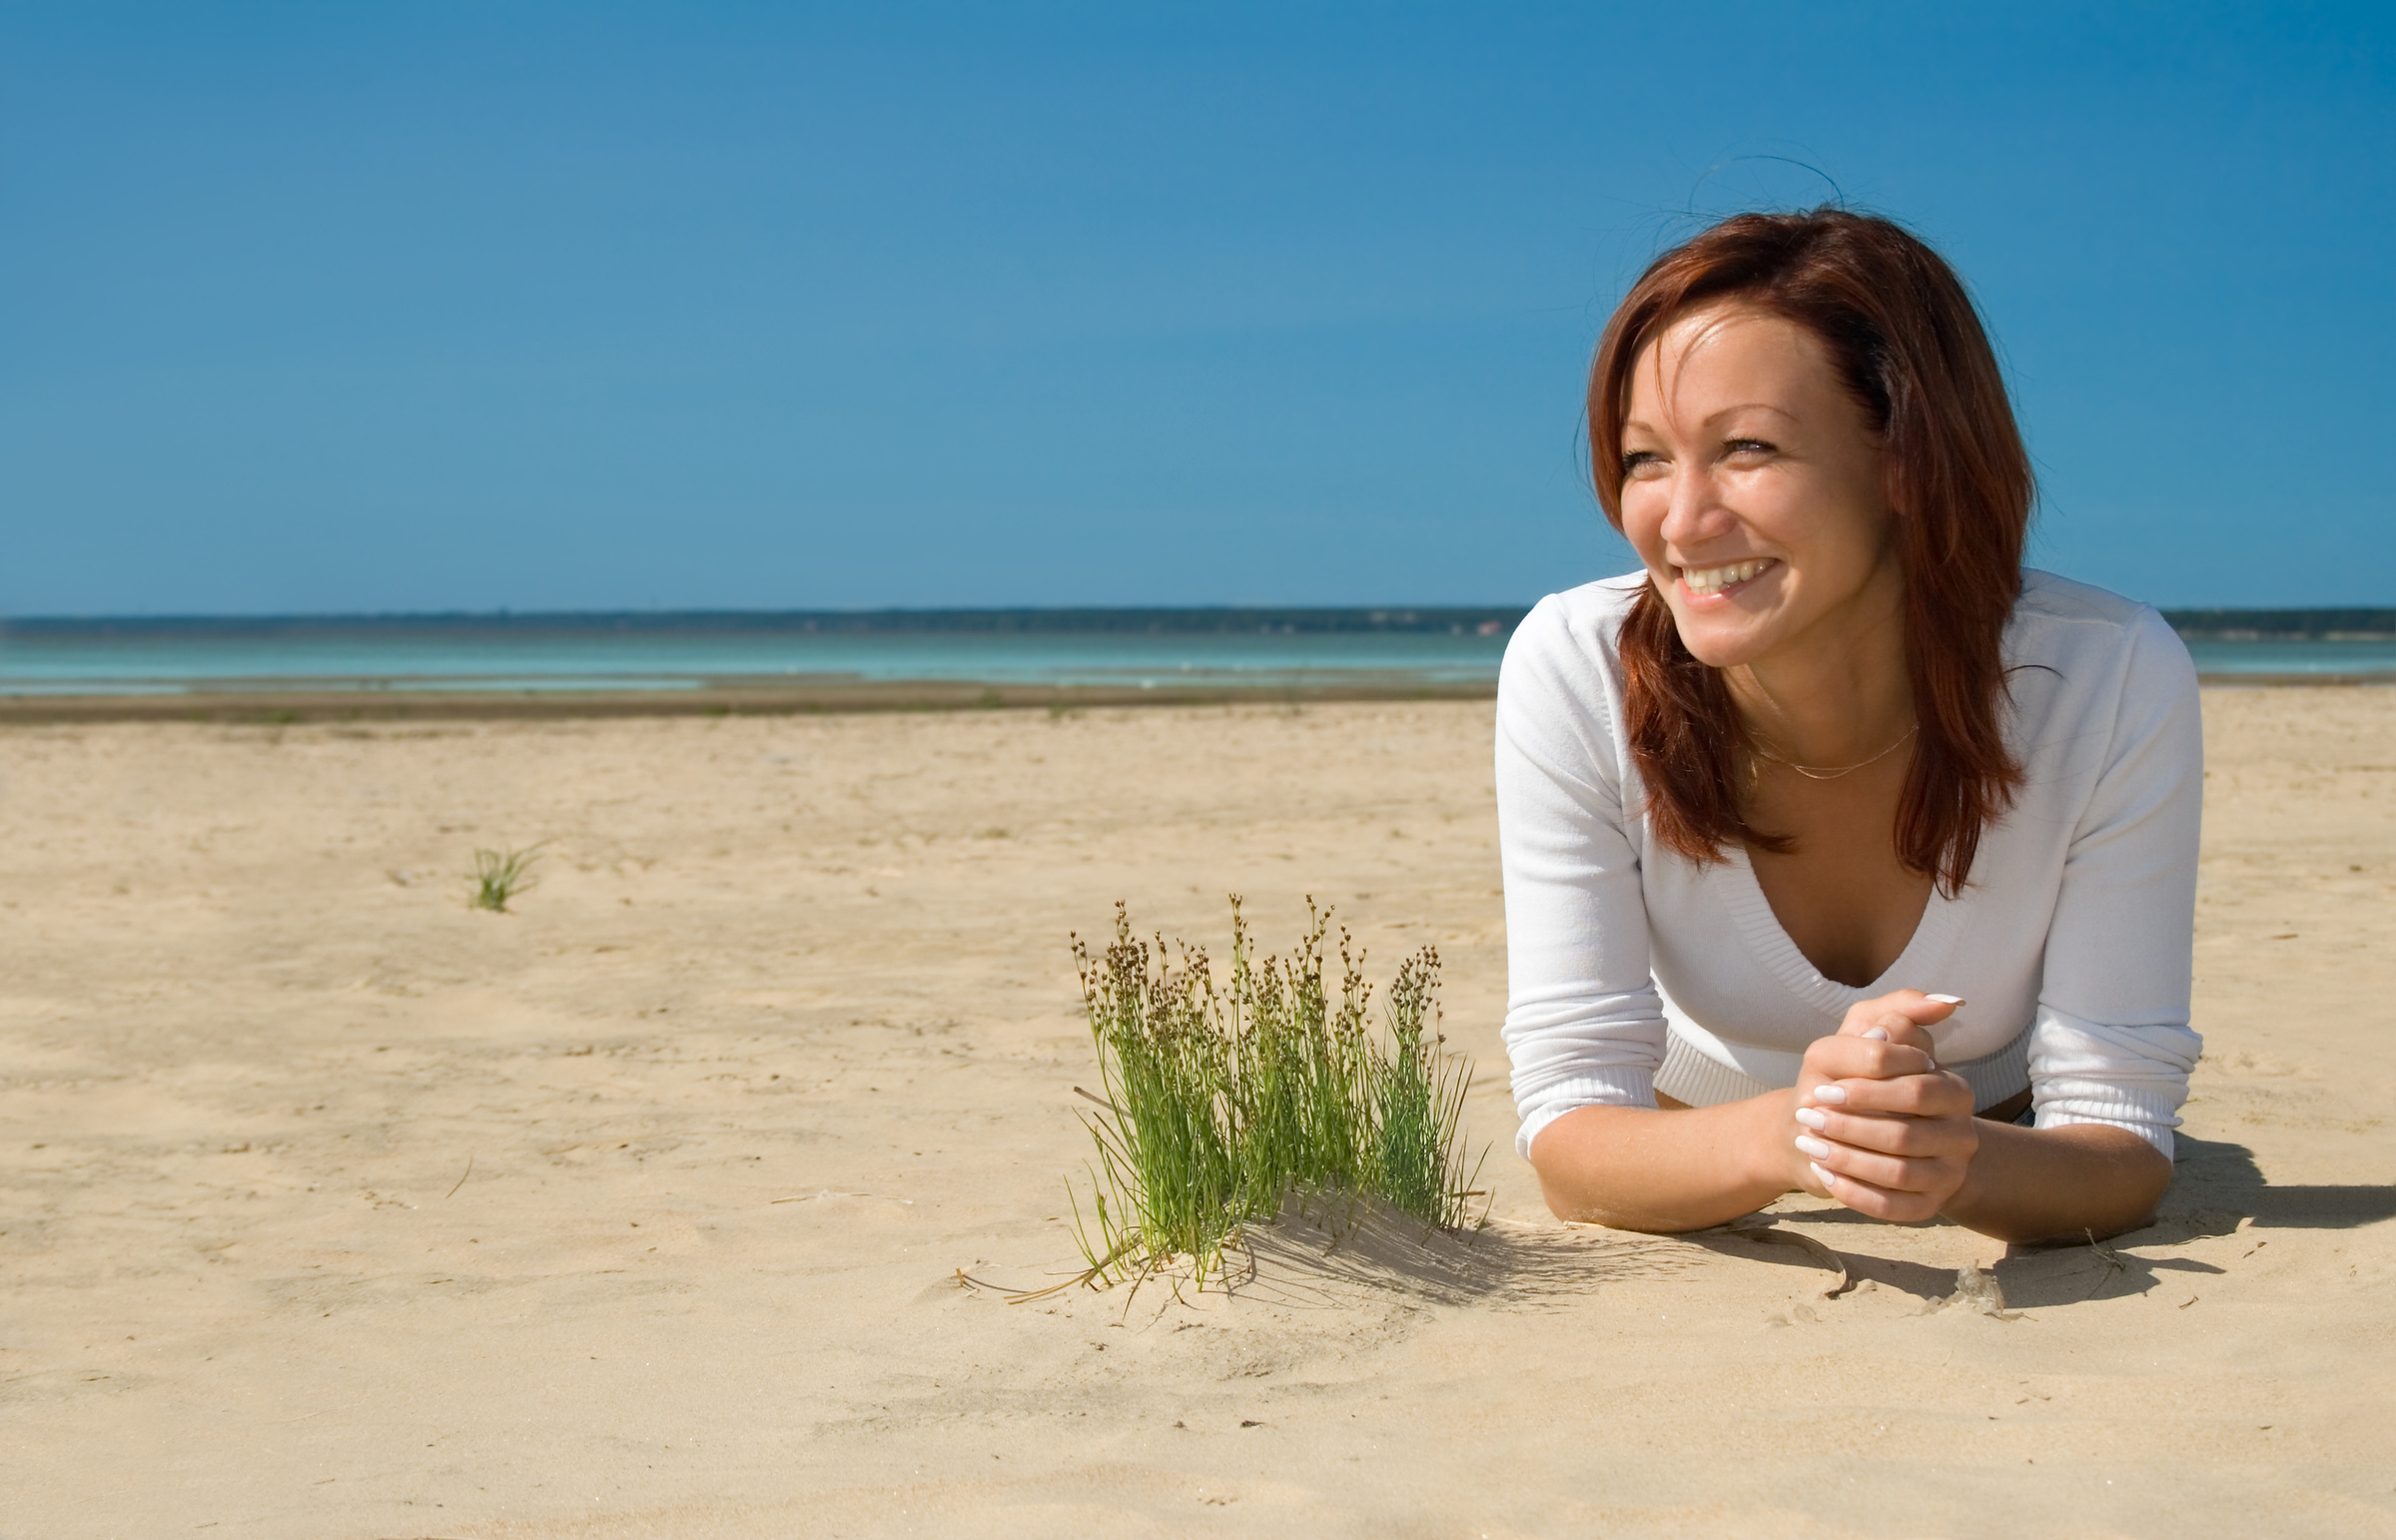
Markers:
point(1832, 749)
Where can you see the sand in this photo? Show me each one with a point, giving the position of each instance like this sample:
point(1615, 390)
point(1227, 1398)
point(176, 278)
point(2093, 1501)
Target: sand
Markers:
point(336, 1208)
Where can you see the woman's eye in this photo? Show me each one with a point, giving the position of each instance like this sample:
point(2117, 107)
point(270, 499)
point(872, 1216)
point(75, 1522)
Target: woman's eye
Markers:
point(1640, 459)
point(1747, 447)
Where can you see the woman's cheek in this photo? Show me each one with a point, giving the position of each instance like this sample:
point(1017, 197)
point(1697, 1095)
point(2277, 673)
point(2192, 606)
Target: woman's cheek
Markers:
point(1643, 526)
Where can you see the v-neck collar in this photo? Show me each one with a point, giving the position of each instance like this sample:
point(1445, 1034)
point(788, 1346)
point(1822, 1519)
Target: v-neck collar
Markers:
point(1768, 942)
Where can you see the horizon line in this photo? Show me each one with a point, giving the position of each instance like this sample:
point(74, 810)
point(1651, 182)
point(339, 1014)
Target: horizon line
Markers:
point(2320, 621)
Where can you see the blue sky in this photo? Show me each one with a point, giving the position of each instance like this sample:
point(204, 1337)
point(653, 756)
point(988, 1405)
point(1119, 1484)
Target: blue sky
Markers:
point(398, 307)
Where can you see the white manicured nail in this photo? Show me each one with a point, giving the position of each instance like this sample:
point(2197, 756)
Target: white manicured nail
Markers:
point(1830, 1094)
point(1812, 1118)
point(1876, 1031)
point(1820, 1175)
point(1949, 1000)
point(1811, 1145)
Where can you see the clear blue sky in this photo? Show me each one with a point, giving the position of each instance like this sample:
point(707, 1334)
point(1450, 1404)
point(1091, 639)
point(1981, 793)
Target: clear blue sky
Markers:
point(427, 306)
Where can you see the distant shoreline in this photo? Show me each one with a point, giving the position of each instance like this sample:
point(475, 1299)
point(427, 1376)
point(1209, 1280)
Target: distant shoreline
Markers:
point(2325, 624)
point(1271, 620)
point(778, 697)
point(768, 697)
point(332, 668)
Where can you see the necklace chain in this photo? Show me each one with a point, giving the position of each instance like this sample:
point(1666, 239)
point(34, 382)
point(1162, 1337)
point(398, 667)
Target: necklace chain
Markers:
point(1833, 772)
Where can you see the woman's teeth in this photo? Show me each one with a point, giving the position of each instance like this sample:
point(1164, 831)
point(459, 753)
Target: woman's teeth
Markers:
point(1715, 580)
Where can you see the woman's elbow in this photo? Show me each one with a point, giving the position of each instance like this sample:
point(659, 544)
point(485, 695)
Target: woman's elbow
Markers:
point(2115, 1184)
point(1582, 1208)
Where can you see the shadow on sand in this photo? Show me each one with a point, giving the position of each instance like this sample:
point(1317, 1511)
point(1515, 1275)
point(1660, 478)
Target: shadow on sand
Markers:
point(1331, 1251)
point(2214, 1175)
point(1326, 1250)
point(2217, 1191)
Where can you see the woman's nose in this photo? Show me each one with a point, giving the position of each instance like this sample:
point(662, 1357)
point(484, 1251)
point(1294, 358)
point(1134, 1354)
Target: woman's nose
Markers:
point(1695, 514)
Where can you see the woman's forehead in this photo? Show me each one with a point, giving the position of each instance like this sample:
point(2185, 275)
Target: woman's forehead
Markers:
point(1706, 356)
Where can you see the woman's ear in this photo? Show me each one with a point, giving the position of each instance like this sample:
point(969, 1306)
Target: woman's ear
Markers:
point(1893, 491)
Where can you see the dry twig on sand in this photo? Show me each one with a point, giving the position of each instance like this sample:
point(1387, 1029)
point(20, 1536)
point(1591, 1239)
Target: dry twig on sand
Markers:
point(1760, 1228)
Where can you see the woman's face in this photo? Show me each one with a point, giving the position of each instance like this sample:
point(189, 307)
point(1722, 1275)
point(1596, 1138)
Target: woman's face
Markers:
point(1755, 490)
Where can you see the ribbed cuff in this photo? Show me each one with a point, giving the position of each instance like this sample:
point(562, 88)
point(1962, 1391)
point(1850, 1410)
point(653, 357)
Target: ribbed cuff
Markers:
point(2126, 1077)
point(2148, 1115)
point(1622, 1085)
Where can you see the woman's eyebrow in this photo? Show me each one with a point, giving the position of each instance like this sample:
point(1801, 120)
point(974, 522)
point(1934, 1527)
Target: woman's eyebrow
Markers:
point(1778, 412)
point(1643, 425)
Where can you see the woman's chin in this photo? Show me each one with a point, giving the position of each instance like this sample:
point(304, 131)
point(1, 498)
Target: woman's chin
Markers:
point(1721, 657)
point(1721, 646)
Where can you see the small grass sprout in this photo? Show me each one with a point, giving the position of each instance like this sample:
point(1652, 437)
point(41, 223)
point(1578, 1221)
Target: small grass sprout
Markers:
point(1219, 1101)
point(501, 875)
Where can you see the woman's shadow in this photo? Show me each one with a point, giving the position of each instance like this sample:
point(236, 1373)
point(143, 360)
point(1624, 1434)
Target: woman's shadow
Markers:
point(1325, 1250)
point(2216, 1189)
point(2215, 1176)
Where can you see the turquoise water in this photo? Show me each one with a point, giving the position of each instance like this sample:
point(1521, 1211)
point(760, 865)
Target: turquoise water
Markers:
point(468, 657)
point(2295, 657)
point(611, 661)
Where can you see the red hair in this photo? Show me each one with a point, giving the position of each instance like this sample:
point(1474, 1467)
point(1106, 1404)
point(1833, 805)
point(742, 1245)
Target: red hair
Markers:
point(1905, 337)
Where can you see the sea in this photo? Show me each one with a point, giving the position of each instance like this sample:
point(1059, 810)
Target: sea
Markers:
point(1265, 649)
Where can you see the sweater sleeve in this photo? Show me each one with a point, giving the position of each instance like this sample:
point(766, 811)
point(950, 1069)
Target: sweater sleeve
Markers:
point(2110, 1041)
point(1584, 1025)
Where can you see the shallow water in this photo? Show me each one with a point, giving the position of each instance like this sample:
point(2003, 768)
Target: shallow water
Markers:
point(436, 658)
point(2293, 657)
point(469, 655)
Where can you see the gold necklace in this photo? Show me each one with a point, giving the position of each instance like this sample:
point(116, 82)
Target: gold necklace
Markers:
point(1833, 772)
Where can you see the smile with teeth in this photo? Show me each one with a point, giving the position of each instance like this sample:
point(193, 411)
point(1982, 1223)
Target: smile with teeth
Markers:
point(1704, 580)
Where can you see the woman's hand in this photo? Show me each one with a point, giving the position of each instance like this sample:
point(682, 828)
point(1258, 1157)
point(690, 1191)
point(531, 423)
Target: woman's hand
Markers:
point(1881, 1128)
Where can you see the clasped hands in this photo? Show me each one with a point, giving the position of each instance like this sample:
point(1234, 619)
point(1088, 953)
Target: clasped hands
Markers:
point(1878, 1124)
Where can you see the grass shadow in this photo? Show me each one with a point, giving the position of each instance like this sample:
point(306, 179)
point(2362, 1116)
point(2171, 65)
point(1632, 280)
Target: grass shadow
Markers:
point(1328, 1250)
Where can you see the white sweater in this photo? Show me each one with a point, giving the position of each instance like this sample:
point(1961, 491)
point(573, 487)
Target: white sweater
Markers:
point(2072, 942)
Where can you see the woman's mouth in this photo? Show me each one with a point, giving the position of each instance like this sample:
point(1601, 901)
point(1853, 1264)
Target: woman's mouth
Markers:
point(1704, 581)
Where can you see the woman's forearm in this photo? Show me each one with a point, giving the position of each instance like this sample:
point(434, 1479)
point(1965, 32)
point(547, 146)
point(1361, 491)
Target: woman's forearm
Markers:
point(1664, 1173)
point(1634, 1168)
point(2028, 1185)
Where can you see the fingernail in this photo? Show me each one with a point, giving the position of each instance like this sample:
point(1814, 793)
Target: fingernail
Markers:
point(1830, 1094)
point(1949, 1000)
point(1876, 1032)
point(1812, 1118)
point(1820, 1175)
point(1811, 1145)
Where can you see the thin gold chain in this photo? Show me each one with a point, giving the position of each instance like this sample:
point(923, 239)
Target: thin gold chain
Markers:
point(1833, 772)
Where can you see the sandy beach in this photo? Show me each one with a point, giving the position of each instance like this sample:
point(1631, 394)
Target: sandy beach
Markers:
point(336, 1209)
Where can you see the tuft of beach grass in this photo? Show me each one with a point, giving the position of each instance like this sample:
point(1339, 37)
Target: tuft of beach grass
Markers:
point(1221, 1100)
point(501, 875)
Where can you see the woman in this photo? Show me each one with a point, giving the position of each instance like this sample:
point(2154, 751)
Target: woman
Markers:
point(1836, 844)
